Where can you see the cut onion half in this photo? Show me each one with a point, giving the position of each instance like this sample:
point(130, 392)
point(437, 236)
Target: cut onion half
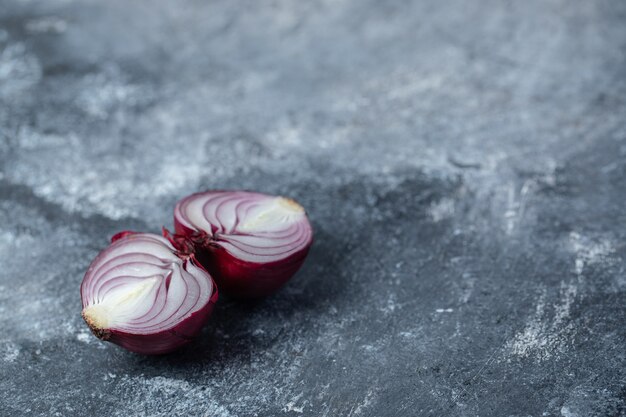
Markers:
point(141, 293)
point(251, 243)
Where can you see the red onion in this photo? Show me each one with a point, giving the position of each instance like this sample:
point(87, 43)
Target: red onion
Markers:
point(251, 243)
point(144, 295)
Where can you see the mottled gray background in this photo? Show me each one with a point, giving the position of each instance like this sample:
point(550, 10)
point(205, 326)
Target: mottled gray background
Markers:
point(463, 163)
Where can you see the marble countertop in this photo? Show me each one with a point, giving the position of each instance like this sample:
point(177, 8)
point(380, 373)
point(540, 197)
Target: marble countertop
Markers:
point(463, 164)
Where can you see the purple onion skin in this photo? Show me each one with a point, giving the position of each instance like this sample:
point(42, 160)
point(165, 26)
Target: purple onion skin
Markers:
point(166, 341)
point(238, 278)
point(247, 280)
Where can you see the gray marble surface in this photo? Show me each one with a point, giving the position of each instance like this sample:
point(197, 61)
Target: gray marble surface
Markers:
point(463, 163)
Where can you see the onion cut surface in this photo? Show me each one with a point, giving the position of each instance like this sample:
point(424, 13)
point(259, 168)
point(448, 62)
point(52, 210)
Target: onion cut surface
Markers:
point(251, 243)
point(143, 295)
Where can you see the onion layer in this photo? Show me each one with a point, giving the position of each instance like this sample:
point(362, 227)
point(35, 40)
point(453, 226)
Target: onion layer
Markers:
point(251, 243)
point(142, 294)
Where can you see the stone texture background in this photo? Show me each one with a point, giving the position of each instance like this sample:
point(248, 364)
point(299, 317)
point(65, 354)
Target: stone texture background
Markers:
point(463, 163)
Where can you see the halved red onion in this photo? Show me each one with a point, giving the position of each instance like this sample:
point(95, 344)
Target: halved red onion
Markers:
point(145, 296)
point(251, 243)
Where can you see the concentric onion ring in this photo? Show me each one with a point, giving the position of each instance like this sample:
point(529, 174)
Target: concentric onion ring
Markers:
point(139, 294)
point(251, 243)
